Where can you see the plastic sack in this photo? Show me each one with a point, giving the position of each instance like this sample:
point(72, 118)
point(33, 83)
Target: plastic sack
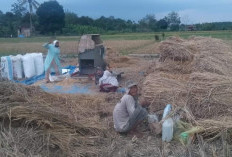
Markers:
point(59, 77)
point(17, 66)
point(6, 68)
point(38, 62)
point(152, 118)
point(28, 65)
point(64, 71)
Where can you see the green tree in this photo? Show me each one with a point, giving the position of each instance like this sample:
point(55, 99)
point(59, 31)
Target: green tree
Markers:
point(25, 22)
point(102, 22)
point(9, 24)
point(162, 24)
point(85, 20)
point(131, 26)
point(173, 21)
point(71, 18)
point(51, 17)
point(148, 23)
point(1, 18)
point(33, 4)
point(18, 9)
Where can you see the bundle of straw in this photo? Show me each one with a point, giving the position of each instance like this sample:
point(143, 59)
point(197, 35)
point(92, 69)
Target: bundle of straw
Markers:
point(174, 67)
point(210, 95)
point(199, 82)
point(68, 120)
point(214, 126)
point(175, 51)
point(209, 62)
point(162, 88)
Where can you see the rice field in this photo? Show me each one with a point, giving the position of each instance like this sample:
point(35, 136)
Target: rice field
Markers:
point(71, 47)
point(123, 43)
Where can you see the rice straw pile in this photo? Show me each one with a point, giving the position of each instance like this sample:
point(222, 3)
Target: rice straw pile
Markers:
point(213, 55)
point(68, 120)
point(175, 51)
point(165, 90)
point(195, 74)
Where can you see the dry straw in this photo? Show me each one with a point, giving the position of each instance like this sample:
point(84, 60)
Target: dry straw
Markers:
point(68, 120)
point(194, 74)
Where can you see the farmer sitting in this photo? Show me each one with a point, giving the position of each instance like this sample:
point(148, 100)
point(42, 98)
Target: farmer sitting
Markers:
point(108, 82)
point(128, 113)
point(52, 58)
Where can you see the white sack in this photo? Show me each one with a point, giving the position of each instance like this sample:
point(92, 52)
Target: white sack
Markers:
point(39, 64)
point(17, 66)
point(28, 65)
point(6, 68)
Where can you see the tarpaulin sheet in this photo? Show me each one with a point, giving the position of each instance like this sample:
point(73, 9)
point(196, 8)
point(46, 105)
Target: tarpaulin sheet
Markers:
point(74, 89)
point(41, 77)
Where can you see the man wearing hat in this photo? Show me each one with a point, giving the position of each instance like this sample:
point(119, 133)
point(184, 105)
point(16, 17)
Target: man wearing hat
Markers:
point(128, 113)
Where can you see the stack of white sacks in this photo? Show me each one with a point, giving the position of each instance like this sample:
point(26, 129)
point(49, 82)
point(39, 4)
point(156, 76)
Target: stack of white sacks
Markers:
point(22, 66)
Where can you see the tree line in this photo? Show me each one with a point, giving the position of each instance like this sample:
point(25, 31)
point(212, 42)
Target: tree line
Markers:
point(50, 18)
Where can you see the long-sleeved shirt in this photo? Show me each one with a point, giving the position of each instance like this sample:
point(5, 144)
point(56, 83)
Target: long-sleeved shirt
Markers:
point(122, 111)
point(108, 78)
point(53, 54)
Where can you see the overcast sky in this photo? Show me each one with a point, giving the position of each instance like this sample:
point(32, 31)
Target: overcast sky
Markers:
point(190, 11)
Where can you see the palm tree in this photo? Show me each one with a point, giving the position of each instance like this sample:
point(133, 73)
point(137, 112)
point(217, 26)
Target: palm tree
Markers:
point(32, 4)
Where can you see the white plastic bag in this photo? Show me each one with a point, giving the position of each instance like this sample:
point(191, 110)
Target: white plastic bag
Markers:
point(17, 66)
point(28, 65)
point(39, 64)
point(59, 77)
point(64, 71)
point(6, 68)
point(56, 78)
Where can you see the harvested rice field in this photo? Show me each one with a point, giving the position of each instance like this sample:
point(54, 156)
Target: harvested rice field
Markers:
point(70, 47)
point(193, 74)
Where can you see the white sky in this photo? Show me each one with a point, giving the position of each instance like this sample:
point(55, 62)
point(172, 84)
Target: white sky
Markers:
point(190, 11)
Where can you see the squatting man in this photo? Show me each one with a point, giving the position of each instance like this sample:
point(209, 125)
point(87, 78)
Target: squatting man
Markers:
point(129, 113)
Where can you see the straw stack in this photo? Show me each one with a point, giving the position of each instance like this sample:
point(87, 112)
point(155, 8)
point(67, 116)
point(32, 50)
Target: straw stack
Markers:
point(66, 119)
point(195, 72)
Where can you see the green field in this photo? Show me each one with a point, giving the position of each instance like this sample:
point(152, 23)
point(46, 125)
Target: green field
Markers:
point(12, 46)
point(225, 35)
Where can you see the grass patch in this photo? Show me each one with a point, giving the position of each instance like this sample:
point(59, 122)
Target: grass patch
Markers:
point(130, 36)
point(225, 35)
